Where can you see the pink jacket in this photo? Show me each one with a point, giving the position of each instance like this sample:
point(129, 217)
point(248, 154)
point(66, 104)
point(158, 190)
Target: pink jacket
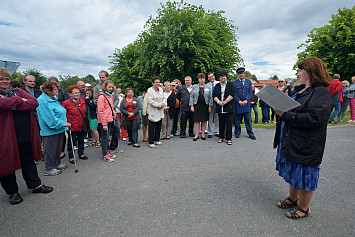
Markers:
point(104, 111)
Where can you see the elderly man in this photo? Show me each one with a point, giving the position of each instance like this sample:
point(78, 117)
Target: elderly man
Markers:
point(242, 100)
point(103, 75)
point(335, 90)
point(81, 84)
point(183, 95)
point(213, 115)
point(30, 83)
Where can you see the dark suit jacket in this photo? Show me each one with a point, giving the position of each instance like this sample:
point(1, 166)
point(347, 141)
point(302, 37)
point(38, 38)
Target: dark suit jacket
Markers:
point(171, 103)
point(183, 96)
point(230, 90)
point(38, 92)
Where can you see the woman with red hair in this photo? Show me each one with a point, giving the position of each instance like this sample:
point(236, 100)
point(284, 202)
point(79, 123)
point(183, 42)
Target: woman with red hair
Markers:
point(76, 109)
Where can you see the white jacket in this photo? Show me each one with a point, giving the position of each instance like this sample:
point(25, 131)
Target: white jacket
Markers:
point(155, 101)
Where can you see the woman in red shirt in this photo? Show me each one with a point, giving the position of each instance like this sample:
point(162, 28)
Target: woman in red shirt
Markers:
point(130, 117)
point(75, 118)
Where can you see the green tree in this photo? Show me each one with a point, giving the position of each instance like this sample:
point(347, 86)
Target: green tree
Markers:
point(90, 78)
point(274, 77)
point(17, 76)
point(40, 78)
point(334, 44)
point(66, 80)
point(181, 40)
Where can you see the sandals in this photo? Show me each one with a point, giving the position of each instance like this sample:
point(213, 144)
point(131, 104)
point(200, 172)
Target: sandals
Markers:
point(229, 142)
point(92, 144)
point(294, 215)
point(220, 140)
point(129, 143)
point(284, 204)
point(98, 145)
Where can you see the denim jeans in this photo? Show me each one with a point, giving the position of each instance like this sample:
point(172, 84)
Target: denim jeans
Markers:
point(256, 112)
point(266, 113)
point(336, 111)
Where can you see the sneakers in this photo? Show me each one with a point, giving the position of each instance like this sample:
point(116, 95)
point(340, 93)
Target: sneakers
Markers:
point(124, 139)
point(86, 140)
point(62, 166)
point(75, 148)
point(112, 156)
point(86, 145)
point(52, 172)
point(158, 143)
point(107, 158)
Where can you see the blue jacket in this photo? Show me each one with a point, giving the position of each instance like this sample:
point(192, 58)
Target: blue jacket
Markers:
point(51, 116)
point(243, 92)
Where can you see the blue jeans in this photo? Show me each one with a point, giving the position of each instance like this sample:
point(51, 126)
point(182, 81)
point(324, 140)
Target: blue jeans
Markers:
point(78, 140)
point(337, 106)
point(256, 112)
point(266, 113)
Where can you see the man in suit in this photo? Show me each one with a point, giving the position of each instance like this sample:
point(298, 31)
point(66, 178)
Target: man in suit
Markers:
point(30, 82)
point(242, 102)
point(183, 95)
point(213, 115)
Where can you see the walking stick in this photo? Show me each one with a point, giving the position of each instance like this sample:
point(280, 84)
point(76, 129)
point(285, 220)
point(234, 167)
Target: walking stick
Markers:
point(72, 147)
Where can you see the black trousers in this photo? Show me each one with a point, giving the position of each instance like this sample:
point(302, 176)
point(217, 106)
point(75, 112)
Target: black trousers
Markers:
point(186, 115)
point(154, 131)
point(225, 125)
point(28, 168)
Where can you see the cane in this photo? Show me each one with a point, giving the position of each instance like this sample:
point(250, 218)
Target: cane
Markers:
point(72, 147)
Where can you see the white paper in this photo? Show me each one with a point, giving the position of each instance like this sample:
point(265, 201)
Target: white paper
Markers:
point(277, 99)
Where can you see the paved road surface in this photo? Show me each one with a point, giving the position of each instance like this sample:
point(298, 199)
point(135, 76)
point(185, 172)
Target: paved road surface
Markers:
point(186, 188)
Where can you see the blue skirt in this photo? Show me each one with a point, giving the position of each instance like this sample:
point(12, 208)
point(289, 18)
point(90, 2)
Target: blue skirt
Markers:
point(298, 175)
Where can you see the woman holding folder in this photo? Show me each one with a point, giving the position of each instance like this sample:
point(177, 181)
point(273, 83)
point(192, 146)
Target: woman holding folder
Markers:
point(300, 136)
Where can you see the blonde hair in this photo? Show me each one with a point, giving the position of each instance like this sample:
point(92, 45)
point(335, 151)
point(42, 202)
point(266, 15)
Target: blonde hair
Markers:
point(353, 79)
point(4, 73)
point(105, 84)
point(346, 82)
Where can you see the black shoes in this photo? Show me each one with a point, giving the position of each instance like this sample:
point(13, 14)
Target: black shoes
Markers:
point(210, 136)
point(195, 138)
point(237, 136)
point(15, 199)
point(191, 135)
point(252, 137)
point(43, 189)
point(83, 157)
point(203, 138)
point(183, 136)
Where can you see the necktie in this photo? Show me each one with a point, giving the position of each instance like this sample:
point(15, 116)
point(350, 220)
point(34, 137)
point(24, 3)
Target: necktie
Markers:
point(212, 87)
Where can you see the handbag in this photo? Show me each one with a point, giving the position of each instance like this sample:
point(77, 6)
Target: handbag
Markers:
point(86, 122)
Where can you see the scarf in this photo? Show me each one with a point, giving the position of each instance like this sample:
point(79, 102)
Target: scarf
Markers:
point(108, 93)
point(7, 92)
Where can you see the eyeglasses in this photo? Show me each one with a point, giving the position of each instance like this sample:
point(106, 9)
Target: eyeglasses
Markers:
point(281, 81)
point(5, 79)
point(75, 93)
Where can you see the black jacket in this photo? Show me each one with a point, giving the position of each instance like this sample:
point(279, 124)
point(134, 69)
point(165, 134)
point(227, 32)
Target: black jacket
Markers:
point(254, 98)
point(305, 132)
point(171, 103)
point(62, 96)
point(183, 96)
point(230, 90)
point(37, 93)
point(92, 108)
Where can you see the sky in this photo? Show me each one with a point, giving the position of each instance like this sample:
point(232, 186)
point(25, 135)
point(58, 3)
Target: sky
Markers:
point(67, 37)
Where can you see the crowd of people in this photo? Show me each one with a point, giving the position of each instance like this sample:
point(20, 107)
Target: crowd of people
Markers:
point(61, 119)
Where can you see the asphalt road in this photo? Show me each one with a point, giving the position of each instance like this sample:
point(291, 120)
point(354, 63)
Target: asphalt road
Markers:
point(186, 188)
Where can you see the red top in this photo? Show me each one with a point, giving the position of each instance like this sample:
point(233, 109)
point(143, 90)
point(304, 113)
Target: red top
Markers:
point(73, 115)
point(335, 88)
point(130, 109)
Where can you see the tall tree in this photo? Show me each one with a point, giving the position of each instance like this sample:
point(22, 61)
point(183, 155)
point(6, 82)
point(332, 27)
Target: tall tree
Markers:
point(334, 44)
point(181, 40)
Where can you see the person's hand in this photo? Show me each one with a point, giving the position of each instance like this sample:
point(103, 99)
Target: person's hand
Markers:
point(24, 99)
point(67, 125)
point(209, 109)
point(252, 103)
point(240, 103)
point(104, 127)
point(130, 114)
point(114, 117)
point(279, 113)
point(245, 102)
point(192, 109)
point(162, 105)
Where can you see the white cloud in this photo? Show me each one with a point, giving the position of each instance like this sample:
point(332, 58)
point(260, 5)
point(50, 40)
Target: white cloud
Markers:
point(76, 37)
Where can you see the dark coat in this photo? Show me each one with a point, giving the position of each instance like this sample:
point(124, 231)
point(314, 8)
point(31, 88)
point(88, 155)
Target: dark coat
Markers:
point(92, 108)
point(305, 130)
point(230, 90)
point(124, 112)
point(62, 96)
point(183, 96)
point(9, 155)
point(37, 93)
point(171, 104)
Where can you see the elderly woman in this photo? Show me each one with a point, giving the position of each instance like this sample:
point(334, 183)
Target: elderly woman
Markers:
point(169, 110)
point(155, 99)
point(223, 96)
point(200, 105)
point(20, 145)
point(53, 123)
point(130, 117)
point(343, 105)
point(301, 134)
point(351, 97)
point(76, 110)
point(62, 96)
